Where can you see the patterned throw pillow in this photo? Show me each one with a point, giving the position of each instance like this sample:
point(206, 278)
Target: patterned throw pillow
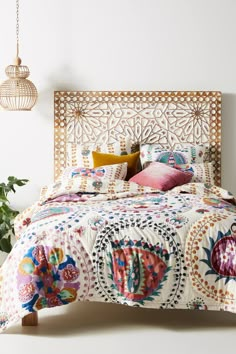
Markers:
point(100, 159)
point(117, 171)
point(187, 154)
point(161, 176)
point(202, 172)
point(81, 154)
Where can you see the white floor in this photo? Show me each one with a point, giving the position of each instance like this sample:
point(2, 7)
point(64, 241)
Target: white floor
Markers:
point(103, 328)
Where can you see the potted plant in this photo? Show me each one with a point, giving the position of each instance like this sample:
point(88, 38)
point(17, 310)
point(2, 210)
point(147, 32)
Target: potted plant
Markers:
point(7, 214)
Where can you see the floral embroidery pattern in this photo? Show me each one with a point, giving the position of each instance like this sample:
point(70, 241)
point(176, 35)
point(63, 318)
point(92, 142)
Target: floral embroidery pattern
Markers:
point(53, 211)
point(47, 278)
point(139, 270)
point(221, 256)
point(89, 172)
point(178, 221)
point(197, 304)
point(171, 158)
point(219, 204)
point(211, 257)
point(97, 184)
point(26, 222)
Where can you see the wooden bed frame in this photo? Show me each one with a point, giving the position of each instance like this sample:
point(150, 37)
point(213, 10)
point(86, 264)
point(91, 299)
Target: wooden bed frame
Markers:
point(169, 118)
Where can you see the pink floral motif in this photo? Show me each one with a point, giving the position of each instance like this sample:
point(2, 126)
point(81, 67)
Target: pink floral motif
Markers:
point(39, 254)
point(80, 230)
point(26, 292)
point(26, 222)
point(70, 273)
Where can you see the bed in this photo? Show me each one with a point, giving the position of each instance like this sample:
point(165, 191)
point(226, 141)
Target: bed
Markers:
point(94, 236)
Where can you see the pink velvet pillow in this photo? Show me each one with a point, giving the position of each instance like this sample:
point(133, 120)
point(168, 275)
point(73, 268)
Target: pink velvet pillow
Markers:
point(161, 176)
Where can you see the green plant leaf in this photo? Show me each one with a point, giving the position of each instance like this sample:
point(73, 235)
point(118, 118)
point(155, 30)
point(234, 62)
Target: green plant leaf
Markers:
point(7, 214)
point(8, 211)
point(15, 181)
point(3, 197)
point(4, 229)
point(5, 245)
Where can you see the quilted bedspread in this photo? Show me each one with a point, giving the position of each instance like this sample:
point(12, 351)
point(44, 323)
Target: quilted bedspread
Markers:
point(114, 241)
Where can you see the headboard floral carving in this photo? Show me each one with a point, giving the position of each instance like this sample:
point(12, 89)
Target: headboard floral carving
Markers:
point(170, 118)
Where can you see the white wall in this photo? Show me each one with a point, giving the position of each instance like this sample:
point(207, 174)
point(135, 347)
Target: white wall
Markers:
point(112, 45)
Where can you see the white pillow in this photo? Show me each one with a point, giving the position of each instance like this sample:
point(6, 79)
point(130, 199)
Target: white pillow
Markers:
point(81, 154)
point(202, 172)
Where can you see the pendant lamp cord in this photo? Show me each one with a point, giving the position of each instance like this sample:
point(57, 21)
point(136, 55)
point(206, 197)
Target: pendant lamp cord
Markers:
point(17, 28)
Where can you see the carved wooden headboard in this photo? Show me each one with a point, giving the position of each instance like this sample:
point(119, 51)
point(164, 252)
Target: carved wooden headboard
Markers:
point(170, 118)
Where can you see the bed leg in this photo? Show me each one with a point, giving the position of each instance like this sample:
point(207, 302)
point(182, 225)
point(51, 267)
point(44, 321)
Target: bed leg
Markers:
point(30, 320)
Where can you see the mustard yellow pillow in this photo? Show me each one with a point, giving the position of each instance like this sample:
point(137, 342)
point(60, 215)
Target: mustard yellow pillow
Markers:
point(100, 159)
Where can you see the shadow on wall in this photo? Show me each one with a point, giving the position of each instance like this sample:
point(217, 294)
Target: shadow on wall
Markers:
point(229, 142)
point(63, 79)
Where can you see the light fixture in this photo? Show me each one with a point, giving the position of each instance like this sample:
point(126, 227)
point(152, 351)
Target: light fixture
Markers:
point(17, 93)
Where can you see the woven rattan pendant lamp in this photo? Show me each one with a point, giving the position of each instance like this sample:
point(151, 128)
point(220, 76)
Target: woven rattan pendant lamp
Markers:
point(17, 93)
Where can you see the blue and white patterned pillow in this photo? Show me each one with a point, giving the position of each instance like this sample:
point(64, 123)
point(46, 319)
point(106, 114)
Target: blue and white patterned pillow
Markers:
point(188, 154)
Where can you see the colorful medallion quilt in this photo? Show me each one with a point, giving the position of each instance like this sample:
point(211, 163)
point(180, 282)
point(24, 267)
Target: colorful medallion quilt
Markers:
point(116, 241)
